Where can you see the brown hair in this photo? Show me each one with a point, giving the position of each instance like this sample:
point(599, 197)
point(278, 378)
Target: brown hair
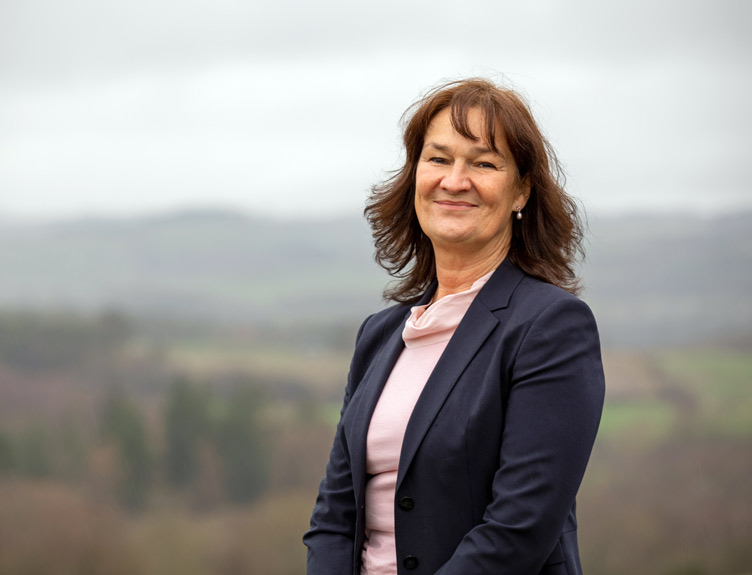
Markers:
point(545, 244)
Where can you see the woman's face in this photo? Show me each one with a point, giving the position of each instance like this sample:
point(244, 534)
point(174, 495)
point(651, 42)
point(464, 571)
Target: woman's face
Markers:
point(465, 193)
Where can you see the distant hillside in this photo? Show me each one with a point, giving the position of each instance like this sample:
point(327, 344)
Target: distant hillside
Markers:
point(670, 280)
point(202, 265)
point(648, 279)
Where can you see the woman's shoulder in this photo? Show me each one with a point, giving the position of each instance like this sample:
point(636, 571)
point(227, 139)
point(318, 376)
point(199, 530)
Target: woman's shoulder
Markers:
point(384, 321)
point(545, 293)
point(511, 287)
point(522, 299)
point(373, 333)
point(539, 303)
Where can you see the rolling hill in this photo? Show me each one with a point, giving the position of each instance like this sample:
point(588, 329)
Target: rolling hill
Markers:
point(649, 279)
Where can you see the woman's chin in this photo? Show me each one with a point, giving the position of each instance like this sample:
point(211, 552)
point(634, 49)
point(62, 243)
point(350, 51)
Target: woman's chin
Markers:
point(451, 238)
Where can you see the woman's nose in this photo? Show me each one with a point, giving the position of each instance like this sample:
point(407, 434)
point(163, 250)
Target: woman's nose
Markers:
point(457, 179)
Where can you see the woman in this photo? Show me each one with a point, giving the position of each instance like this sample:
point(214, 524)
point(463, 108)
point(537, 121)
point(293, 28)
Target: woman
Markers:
point(471, 406)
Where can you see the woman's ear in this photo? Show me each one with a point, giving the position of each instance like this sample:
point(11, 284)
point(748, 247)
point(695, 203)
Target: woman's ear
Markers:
point(524, 195)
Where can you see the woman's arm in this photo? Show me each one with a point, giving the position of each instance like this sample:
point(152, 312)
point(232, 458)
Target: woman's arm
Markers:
point(330, 540)
point(552, 416)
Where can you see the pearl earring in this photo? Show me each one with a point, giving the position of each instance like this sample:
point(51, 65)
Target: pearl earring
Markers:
point(519, 213)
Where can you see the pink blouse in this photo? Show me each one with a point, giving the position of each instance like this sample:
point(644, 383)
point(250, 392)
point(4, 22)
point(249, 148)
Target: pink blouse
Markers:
point(426, 334)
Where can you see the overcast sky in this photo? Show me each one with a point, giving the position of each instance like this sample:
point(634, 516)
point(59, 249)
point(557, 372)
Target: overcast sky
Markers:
point(291, 108)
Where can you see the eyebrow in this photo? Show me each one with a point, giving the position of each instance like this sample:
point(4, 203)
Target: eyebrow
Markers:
point(476, 149)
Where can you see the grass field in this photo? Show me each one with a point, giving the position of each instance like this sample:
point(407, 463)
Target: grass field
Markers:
point(720, 384)
point(319, 370)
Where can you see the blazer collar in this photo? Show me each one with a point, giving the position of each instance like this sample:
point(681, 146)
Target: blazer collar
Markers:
point(500, 286)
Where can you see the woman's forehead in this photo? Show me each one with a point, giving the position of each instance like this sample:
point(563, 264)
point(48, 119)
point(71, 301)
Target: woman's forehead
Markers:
point(472, 123)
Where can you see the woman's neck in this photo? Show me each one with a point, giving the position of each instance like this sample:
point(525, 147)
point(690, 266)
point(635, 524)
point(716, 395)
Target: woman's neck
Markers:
point(456, 273)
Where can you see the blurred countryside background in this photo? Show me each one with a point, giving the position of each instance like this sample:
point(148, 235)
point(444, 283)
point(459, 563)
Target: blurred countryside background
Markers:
point(184, 264)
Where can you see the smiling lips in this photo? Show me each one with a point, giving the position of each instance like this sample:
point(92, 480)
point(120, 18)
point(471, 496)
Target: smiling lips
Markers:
point(454, 205)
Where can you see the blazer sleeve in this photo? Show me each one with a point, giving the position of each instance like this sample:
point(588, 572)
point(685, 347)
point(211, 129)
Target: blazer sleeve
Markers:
point(330, 539)
point(552, 416)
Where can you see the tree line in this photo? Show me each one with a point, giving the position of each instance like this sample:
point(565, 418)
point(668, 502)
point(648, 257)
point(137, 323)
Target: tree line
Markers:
point(209, 446)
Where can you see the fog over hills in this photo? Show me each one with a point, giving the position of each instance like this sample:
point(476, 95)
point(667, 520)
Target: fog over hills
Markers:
point(649, 280)
point(676, 280)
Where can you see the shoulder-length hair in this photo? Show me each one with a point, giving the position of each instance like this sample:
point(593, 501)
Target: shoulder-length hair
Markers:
point(545, 244)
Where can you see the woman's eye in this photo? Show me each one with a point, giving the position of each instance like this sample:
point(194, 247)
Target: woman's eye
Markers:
point(436, 160)
point(487, 165)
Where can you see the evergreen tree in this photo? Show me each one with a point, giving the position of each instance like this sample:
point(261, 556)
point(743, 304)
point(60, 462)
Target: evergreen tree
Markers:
point(32, 454)
point(6, 453)
point(241, 446)
point(122, 424)
point(186, 421)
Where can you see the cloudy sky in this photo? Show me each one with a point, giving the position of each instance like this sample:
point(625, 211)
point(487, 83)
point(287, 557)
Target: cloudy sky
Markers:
point(291, 108)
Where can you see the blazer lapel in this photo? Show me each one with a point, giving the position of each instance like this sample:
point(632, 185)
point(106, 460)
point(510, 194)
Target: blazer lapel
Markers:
point(473, 330)
point(470, 335)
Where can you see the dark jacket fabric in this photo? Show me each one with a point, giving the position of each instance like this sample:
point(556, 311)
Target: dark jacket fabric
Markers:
point(495, 449)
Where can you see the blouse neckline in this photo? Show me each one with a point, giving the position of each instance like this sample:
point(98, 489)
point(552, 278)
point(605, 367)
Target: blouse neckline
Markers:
point(435, 322)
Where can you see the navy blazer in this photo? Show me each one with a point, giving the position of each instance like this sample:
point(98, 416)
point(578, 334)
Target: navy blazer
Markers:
point(495, 448)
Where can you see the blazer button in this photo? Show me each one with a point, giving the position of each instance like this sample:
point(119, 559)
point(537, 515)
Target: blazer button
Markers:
point(410, 562)
point(406, 503)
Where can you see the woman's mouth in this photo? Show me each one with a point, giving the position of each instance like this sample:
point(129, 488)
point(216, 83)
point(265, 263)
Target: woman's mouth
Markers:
point(455, 205)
